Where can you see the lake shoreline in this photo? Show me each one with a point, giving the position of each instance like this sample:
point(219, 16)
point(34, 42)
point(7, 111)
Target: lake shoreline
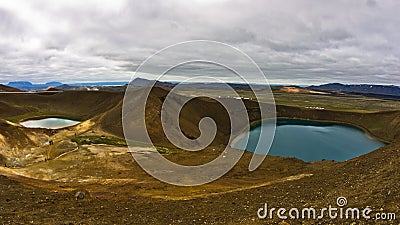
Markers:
point(330, 140)
point(41, 117)
point(256, 123)
point(50, 123)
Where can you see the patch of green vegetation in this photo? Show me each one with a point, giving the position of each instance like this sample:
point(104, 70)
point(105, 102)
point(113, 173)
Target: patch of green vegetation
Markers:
point(88, 140)
point(167, 151)
point(160, 149)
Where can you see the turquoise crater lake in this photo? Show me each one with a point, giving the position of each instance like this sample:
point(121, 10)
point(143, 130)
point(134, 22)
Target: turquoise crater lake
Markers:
point(49, 123)
point(313, 141)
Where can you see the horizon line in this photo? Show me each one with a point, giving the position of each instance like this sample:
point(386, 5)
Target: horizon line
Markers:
point(203, 82)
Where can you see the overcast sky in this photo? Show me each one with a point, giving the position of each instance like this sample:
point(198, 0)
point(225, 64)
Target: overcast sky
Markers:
point(299, 41)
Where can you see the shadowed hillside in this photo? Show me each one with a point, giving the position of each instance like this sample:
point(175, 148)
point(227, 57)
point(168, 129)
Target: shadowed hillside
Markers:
point(79, 105)
point(367, 89)
point(16, 141)
point(4, 88)
point(190, 116)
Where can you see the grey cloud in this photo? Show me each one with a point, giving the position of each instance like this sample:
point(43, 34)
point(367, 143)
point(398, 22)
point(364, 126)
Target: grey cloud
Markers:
point(299, 41)
point(371, 3)
point(10, 25)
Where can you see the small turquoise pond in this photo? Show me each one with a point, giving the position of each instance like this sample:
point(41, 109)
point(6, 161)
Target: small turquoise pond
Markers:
point(49, 123)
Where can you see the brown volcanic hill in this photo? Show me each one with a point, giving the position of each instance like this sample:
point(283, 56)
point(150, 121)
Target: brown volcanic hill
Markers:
point(294, 89)
point(79, 105)
point(16, 141)
point(4, 88)
point(52, 89)
point(190, 116)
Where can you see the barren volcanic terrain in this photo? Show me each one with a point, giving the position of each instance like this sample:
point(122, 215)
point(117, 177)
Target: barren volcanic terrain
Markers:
point(89, 177)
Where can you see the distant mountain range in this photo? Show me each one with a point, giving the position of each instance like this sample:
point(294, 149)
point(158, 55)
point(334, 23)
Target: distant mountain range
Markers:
point(28, 86)
point(365, 89)
point(93, 84)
